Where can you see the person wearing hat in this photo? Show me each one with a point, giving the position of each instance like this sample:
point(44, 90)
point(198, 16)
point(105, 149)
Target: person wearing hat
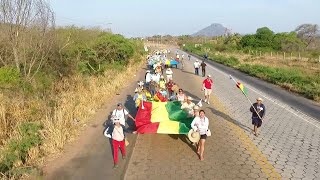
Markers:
point(117, 133)
point(196, 66)
point(207, 87)
point(188, 106)
point(138, 97)
point(169, 74)
point(196, 111)
point(258, 111)
point(201, 124)
point(121, 114)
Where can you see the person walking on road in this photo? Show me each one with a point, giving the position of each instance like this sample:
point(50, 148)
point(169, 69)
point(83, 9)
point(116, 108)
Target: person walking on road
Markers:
point(169, 74)
point(196, 66)
point(203, 68)
point(201, 124)
point(207, 87)
point(258, 111)
point(117, 133)
point(188, 106)
point(148, 77)
point(189, 57)
point(181, 96)
point(121, 114)
point(138, 98)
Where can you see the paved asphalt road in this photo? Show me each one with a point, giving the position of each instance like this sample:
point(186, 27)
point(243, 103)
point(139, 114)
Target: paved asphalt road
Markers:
point(290, 137)
point(296, 102)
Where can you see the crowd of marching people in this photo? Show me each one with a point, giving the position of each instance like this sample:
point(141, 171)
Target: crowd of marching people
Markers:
point(159, 85)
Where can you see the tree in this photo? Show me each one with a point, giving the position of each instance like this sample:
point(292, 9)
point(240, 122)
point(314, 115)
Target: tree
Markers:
point(307, 33)
point(27, 33)
point(287, 42)
point(248, 41)
point(264, 37)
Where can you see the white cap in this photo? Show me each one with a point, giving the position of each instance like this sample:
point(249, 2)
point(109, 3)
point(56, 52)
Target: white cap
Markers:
point(209, 75)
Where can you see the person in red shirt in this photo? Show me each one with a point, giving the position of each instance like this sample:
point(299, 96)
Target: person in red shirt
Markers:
point(169, 86)
point(207, 87)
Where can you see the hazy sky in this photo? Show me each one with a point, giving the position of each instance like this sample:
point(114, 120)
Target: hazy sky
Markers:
point(177, 17)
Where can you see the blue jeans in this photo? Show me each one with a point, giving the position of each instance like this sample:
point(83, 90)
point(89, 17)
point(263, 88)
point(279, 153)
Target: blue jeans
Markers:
point(196, 71)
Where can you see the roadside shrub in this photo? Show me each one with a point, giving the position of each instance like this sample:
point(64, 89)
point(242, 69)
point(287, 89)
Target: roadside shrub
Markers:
point(231, 61)
point(16, 151)
point(9, 77)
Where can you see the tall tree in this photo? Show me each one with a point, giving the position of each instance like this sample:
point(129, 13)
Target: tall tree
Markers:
point(26, 26)
point(307, 33)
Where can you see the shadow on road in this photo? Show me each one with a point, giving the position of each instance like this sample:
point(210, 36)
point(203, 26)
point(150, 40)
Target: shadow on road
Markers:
point(188, 72)
point(230, 119)
point(184, 138)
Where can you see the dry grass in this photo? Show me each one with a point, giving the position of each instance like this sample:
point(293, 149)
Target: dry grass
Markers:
point(63, 114)
point(302, 64)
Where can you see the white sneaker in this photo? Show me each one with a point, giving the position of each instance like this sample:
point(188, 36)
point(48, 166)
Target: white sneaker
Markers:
point(205, 100)
point(208, 102)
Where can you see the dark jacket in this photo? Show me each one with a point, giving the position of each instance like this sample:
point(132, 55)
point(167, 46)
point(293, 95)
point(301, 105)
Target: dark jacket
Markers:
point(260, 112)
point(110, 129)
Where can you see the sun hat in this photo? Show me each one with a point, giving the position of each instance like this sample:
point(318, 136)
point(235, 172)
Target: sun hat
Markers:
point(140, 83)
point(194, 136)
point(119, 104)
point(190, 98)
point(197, 60)
point(259, 99)
point(115, 119)
point(196, 107)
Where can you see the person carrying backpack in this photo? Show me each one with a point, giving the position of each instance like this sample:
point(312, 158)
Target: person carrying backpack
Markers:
point(121, 114)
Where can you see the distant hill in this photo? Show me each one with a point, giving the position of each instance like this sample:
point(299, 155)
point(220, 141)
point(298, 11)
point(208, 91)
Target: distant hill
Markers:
point(214, 29)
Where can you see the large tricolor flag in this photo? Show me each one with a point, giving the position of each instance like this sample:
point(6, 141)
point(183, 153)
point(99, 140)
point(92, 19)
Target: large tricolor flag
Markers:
point(163, 118)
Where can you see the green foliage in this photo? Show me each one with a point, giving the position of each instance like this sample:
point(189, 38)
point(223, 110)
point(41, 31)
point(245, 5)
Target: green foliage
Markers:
point(111, 48)
point(307, 85)
point(9, 77)
point(17, 149)
point(231, 61)
point(266, 40)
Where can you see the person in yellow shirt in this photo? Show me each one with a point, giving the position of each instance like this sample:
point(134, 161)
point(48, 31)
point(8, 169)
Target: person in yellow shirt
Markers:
point(147, 93)
point(162, 83)
point(138, 97)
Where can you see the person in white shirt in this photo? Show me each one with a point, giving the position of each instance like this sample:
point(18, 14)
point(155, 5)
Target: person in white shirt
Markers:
point(121, 114)
point(181, 96)
point(148, 77)
point(196, 66)
point(201, 124)
point(156, 77)
point(188, 106)
point(117, 133)
point(169, 74)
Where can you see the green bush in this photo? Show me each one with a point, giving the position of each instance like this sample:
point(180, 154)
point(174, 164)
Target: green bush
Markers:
point(17, 149)
point(231, 61)
point(9, 77)
point(111, 48)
